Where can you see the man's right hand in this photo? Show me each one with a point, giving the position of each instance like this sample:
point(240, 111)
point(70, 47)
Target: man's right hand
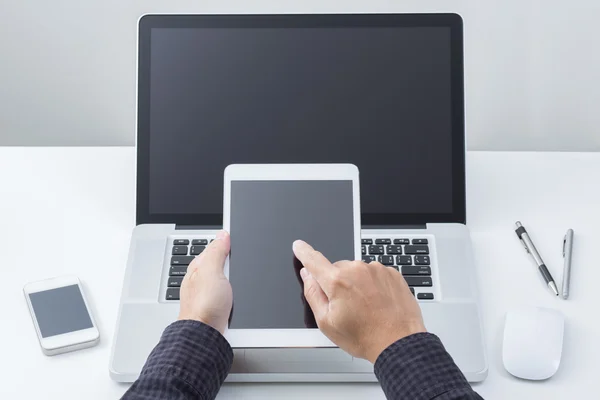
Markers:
point(362, 308)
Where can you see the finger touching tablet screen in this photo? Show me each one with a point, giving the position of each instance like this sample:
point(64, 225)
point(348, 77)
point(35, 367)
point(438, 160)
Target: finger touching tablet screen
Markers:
point(266, 208)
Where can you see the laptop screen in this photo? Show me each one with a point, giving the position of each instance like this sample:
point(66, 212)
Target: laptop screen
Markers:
point(378, 96)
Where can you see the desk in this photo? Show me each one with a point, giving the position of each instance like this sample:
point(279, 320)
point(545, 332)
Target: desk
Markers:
point(71, 210)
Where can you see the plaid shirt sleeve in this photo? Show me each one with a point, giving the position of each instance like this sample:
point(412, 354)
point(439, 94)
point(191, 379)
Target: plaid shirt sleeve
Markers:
point(191, 361)
point(418, 367)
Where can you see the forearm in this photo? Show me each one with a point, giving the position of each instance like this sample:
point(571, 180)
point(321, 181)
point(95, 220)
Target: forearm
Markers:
point(418, 367)
point(191, 361)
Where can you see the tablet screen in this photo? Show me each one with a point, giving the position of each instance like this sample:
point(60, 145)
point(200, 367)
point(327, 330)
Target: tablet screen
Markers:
point(266, 218)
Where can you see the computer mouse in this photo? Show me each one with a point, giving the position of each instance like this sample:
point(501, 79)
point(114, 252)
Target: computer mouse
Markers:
point(533, 342)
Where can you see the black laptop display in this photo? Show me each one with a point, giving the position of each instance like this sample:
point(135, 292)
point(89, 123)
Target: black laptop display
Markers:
point(373, 91)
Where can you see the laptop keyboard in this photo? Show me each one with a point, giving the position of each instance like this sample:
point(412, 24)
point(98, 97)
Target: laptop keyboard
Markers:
point(410, 257)
point(183, 252)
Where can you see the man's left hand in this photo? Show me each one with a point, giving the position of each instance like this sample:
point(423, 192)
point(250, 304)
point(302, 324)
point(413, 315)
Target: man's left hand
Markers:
point(206, 294)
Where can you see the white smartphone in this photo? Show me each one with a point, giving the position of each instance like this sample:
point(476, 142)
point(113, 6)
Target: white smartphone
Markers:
point(61, 315)
point(266, 208)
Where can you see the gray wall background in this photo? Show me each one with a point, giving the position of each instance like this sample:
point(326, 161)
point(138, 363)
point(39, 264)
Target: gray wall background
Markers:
point(532, 67)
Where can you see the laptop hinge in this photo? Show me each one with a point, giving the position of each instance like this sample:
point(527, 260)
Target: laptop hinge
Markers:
point(197, 227)
point(409, 226)
point(216, 227)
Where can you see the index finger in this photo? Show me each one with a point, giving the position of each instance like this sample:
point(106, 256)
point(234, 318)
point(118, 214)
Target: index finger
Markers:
point(315, 262)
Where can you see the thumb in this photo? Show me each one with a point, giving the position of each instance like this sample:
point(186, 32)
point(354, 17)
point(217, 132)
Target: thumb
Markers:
point(213, 257)
point(316, 298)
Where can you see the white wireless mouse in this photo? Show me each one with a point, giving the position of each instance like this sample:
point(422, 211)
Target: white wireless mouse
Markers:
point(533, 341)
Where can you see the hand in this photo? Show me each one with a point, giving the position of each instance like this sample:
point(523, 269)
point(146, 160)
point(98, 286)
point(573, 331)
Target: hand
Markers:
point(206, 294)
point(362, 308)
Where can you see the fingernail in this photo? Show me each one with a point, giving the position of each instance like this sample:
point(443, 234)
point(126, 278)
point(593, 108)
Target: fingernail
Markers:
point(304, 273)
point(297, 244)
point(221, 235)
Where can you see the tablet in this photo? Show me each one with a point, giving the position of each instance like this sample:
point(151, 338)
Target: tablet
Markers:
point(266, 208)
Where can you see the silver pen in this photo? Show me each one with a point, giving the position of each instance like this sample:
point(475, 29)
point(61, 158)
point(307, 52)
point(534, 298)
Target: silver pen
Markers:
point(530, 248)
point(567, 253)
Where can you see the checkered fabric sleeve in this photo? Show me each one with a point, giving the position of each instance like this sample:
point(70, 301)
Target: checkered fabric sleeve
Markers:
point(418, 367)
point(191, 361)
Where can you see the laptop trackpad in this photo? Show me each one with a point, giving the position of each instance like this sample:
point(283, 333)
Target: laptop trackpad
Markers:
point(297, 360)
point(459, 328)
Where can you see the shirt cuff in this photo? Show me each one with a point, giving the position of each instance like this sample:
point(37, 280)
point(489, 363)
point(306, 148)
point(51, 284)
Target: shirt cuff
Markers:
point(418, 367)
point(195, 353)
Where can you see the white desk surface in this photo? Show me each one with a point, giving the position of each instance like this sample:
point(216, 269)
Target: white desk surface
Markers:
point(71, 210)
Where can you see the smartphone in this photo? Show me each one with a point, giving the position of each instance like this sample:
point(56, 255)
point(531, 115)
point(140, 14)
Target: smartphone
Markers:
point(61, 315)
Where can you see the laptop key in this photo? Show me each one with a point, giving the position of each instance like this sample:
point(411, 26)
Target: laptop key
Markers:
point(386, 260)
point(375, 249)
point(420, 241)
point(418, 281)
point(181, 242)
point(178, 270)
point(412, 290)
point(175, 281)
point(202, 242)
point(367, 241)
point(404, 260)
point(394, 249)
point(416, 249)
point(416, 270)
point(425, 296)
point(383, 241)
point(182, 260)
point(422, 260)
point(368, 259)
point(172, 294)
point(179, 250)
point(195, 250)
point(401, 241)
point(364, 249)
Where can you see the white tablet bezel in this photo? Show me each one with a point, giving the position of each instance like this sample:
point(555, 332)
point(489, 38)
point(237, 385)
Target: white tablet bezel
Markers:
point(270, 338)
point(52, 343)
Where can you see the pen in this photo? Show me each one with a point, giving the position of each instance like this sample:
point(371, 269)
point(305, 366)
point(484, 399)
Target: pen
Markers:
point(530, 248)
point(567, 252)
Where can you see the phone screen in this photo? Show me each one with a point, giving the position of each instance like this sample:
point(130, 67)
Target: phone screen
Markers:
point(60, 310)
point(266, 218)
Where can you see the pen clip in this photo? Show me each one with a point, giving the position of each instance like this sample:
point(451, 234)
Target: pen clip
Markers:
point(564, 245)
point(524, 245)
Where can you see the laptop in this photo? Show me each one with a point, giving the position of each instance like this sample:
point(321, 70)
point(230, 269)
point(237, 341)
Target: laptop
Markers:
point(382, 92)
